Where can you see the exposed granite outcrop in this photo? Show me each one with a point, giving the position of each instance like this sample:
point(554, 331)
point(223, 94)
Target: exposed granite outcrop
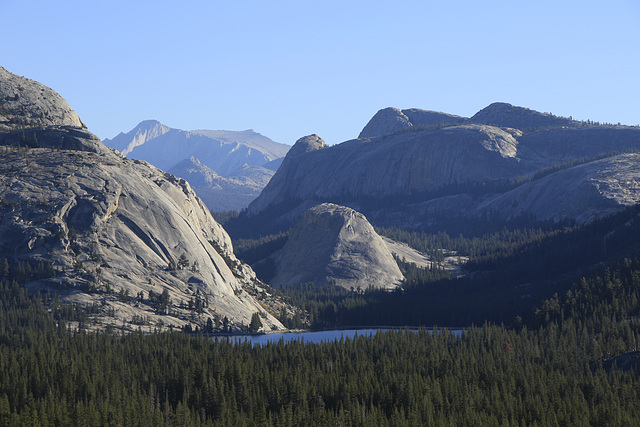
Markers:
point(506, 115)
point(397, 164)
point(389, 120)
point(334, 244)
point(25, 103)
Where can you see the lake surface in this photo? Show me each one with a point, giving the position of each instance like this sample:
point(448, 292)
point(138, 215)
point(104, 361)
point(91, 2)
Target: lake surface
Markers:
point(313, 336)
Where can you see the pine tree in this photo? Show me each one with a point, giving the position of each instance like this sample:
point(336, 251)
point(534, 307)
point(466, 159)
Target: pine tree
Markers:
point(256, 323)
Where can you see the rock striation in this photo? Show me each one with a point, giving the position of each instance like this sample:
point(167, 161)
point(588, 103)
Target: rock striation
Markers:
point(583, 192)
point(336, 245)
point(119, 235)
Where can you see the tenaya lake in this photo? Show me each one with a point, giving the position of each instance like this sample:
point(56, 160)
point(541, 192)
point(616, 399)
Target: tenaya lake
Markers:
point(315, 336)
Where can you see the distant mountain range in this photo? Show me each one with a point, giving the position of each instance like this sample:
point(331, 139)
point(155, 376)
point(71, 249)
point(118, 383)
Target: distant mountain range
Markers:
point(421, 169)
point(227, 169)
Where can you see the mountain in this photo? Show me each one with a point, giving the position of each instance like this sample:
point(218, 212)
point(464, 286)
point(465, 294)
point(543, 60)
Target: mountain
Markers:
point(400, 163)
point(506, 115)
point(583, 192)
point(242, 156)
point(221, 193)
point(333, 244)
point(389, 120)
point(145, 131)
point(130, 242)
point(222, 151)
point(483, 167)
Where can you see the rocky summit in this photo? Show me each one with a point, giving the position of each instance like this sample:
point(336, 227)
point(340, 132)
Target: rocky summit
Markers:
point(118, 236)
point(336, 245)
point(27, 103)
point(389, 120)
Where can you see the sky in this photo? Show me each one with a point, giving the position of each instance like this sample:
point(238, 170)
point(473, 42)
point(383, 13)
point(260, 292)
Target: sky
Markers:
point(292, 68)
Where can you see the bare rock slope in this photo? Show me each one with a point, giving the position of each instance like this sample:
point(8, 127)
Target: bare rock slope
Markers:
point(389, 120)
point(119, 235)
point(584, 192)
point(397, 164)
point(27, 103)
point(400, 173)
point(336, 245)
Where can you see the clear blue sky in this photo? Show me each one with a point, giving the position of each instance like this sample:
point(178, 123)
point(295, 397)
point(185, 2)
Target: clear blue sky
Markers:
point(292, 68)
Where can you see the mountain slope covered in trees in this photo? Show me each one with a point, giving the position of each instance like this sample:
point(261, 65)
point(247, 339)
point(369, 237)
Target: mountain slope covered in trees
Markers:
point(554, 371)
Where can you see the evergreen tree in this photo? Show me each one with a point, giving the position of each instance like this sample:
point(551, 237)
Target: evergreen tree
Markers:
point(256, 323)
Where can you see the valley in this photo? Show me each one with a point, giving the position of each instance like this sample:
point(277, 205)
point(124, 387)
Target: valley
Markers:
point(521, 228)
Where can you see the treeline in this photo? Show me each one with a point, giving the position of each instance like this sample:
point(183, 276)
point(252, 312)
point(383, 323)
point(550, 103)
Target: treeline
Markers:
point(490, 245)
point(613, 237)
point(254, 250)
point(509, 274)
point(23, 271)
point(547, 372)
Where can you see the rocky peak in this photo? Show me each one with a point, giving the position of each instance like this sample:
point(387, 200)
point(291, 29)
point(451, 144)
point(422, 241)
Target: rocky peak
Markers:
point(306, 144)
point(506, 115)
point(26, 103)
point(145, 131)
point(334, 244)
point(385, 121)
point(389, 120)
point(419, 117)
point(194, 172)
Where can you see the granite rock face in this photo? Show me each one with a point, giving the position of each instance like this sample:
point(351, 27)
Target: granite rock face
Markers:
point(583, 192)
point(118, 233)
point(396, 164)
point(405, 174)
point(385, 121)
point(334, 244)
point(26, 103)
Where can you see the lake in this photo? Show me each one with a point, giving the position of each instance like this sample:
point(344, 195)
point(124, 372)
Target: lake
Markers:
point(314, 336)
